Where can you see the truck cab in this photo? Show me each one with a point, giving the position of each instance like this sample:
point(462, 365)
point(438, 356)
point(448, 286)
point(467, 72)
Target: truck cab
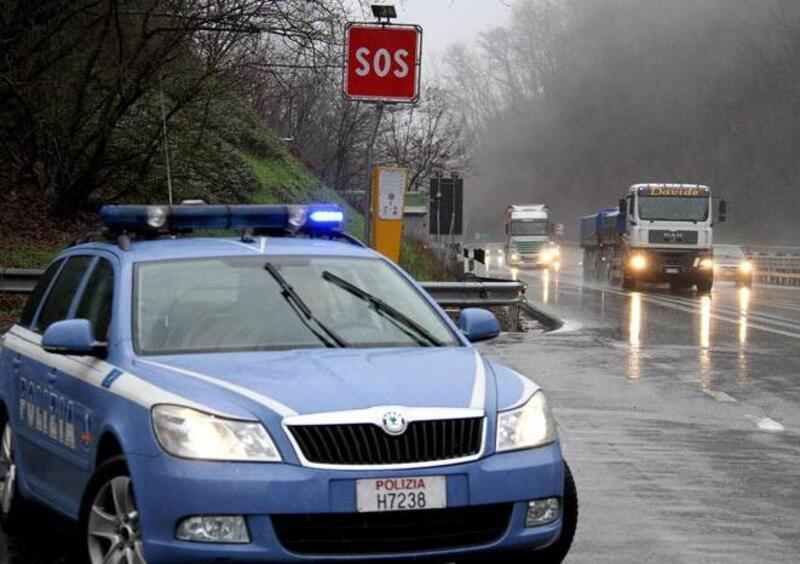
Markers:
point(669, 235)
point(669, 216)
point(528, 242)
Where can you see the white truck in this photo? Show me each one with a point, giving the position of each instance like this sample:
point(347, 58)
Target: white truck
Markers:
point(658, 233)
point(528, 241)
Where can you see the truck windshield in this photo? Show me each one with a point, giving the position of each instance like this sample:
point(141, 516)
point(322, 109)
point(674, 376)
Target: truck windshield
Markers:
point(529, 227)
point(235, 304)
point(671, 208)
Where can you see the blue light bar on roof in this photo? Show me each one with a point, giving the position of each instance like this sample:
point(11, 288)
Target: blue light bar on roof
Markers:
point(312, 219)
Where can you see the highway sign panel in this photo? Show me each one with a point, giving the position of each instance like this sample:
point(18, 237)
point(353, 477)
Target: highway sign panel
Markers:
point(382, 62)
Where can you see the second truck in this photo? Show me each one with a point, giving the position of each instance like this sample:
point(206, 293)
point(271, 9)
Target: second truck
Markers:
point(528, 237)
point(659, 233)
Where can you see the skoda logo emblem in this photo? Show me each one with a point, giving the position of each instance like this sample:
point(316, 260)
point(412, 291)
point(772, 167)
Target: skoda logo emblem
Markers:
point(394, 423)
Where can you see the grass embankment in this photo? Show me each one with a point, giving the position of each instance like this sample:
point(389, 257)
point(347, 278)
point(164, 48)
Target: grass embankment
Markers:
point(29, 238)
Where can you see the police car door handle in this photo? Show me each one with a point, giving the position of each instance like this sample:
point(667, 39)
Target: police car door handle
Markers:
point(52, 376)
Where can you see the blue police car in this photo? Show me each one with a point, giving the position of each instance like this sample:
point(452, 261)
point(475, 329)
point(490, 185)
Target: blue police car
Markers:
point(284, 395)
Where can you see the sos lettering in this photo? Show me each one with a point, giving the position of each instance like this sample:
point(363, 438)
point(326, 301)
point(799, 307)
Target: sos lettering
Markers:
point(382, 62)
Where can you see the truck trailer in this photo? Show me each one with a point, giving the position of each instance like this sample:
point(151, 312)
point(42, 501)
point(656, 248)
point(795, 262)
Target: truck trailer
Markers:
point(658, 233)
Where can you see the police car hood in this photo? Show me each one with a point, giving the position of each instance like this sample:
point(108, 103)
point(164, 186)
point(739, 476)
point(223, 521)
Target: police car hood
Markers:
point(318, 381)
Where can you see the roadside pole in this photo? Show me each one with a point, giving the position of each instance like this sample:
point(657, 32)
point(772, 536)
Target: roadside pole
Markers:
point(370, 158)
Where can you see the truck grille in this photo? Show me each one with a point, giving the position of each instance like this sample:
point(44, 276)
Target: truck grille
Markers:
point(359, 444)
point(661, 236)
point(527, 246)
point(392, 532)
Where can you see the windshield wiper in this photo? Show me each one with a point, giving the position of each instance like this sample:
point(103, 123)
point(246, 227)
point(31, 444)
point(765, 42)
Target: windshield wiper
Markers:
point(304, 312)
point(399, 318)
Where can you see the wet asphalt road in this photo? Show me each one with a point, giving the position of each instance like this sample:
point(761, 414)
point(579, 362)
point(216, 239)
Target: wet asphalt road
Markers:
point(680, 416)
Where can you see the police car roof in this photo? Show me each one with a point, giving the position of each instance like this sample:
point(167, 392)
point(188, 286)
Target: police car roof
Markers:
point(198, 247)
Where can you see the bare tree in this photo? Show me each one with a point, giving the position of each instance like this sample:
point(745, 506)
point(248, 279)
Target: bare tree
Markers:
point(427, 138)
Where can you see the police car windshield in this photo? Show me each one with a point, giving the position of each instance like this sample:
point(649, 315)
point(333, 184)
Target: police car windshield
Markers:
point(232, 304)
point(671, 208)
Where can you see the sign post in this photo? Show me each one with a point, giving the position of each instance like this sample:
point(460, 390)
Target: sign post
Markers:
point(382, 67)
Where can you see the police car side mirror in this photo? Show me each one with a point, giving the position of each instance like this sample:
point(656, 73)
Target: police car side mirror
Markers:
point(72, 336)
point(478, 324)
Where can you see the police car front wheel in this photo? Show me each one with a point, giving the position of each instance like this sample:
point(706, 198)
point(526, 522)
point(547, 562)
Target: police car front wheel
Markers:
point(10, 500)
point(110, 519)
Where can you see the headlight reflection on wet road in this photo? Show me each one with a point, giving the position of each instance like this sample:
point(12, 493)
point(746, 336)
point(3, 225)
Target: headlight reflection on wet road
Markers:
point(545, 286)
point(705, 342)
point(744, 306)
point(634, 336)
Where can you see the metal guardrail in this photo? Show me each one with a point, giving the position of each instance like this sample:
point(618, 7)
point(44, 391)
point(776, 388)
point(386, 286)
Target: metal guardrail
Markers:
point(479, 293)
point(777, 268)
point(483, 293)
point(18, 280)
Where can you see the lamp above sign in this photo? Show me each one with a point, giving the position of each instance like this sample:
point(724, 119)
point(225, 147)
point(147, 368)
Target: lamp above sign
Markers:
point(383, 62)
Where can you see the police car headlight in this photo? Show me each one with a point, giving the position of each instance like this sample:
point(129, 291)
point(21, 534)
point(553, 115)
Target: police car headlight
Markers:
point(529, 426)
point(189, 433)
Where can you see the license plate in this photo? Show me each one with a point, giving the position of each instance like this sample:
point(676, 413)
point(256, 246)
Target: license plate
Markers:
point(673, 270)
point(401, 494)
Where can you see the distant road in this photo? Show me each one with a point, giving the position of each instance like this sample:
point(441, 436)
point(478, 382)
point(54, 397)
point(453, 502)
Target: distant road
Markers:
point(680, 414)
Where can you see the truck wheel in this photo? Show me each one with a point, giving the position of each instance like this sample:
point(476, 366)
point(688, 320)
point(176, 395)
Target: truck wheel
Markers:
point(704, 286)
point(557, 551)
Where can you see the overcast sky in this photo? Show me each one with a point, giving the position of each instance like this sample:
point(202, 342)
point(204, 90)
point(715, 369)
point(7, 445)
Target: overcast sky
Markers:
point(450, 21)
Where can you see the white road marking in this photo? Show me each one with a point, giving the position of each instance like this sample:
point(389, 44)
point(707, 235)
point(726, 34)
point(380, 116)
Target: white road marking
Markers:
point(569, 326)
point(765, 423)
point(720, 396)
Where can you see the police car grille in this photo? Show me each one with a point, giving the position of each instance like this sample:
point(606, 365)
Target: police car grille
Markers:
point(392, 532)
point(366, 444)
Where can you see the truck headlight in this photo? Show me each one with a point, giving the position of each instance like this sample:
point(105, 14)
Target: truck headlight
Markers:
point(706, 263)
point(529, 426)
point(638, 262)
point(514, 256)
point(546, 256)
point(189, 433)
point(746, 267)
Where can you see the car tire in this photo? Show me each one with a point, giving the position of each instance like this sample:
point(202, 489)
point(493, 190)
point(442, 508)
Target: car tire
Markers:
point(553, 553)
point(12, 504)
point(109, 518)
point(629, 283)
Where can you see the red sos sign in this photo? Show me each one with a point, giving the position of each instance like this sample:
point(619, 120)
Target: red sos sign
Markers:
point(382, 62)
